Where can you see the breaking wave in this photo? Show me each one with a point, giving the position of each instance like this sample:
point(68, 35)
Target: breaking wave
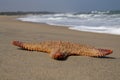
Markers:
point(94, 21)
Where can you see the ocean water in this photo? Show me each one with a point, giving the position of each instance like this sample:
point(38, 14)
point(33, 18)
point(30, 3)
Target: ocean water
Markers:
point(95, 21)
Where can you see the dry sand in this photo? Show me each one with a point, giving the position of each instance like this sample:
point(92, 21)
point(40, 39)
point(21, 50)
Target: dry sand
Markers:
point(16, 64)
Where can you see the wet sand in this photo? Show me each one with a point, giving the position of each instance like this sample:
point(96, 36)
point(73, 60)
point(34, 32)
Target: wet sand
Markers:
point(16, 64)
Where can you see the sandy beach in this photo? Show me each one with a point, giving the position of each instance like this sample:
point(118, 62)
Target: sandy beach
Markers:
point(16, 64)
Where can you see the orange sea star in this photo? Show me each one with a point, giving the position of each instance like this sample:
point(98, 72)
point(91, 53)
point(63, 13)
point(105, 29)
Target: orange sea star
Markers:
point(62, 49)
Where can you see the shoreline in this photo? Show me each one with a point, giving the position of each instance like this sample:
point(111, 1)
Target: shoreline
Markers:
point(79, 23)
point(71, 28)
point(17, 64)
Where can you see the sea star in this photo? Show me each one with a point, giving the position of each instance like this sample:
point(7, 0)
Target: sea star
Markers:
point(61, 49)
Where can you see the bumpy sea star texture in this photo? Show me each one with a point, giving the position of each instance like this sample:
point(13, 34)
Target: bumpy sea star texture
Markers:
point(61, 49)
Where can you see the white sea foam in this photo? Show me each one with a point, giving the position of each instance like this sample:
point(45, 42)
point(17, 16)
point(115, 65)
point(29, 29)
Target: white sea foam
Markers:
point(100, 22)
point(102, 29)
